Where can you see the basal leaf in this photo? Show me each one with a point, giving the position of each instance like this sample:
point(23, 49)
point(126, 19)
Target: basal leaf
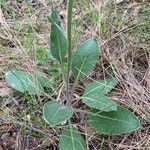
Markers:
point(85, 58)
point(94, 95)
point(99, 101)
point(55, 17)
point(114, 123)
point(23, 81)
point(70, 139)
point(100, 86)
point(58, 40)
point(54, 113)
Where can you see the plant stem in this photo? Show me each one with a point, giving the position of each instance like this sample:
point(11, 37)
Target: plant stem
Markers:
point(69, 48)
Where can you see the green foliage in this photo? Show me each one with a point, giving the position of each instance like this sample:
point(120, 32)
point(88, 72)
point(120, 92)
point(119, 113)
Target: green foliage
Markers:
point(44, 80)
point(85, 58)
point(70, 139)
point(113, 123)
point(55, 113)
point(99, 101)
point(53, 71)
point(58, 40)
point(55, 17)
point(106, 118)
point(94, 95)
point(25, 82)
point(100, 86)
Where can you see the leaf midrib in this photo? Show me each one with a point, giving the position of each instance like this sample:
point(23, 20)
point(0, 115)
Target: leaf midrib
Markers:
point(105, 85)
point(92, 99)
point(118, 120)
point(79, 70)
point(57, 111)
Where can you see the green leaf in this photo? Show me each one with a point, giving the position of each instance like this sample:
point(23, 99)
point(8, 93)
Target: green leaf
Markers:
point(114, 123)
point(58, 40)
point(23, 81)
point(70, 139)
point(55, 17)
point(100, 86)
point(85, 58)
point(94, 95)
point(50, 56)
point(54, 113)
point(99, 101)
point(44, 81)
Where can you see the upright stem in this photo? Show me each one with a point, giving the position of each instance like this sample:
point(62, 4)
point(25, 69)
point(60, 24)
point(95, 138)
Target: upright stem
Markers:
point(69, 48)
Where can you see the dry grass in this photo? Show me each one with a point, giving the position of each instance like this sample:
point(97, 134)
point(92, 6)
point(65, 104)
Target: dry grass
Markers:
point(124, 32)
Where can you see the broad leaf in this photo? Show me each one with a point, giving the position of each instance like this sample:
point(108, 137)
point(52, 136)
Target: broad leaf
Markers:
point(70, 139)
point(114, 123)
point(99, 101)
point(85, 58)
point(100, 86)
point(23, 81)
point(54, 113)
point(58, 40)
point(55, 17)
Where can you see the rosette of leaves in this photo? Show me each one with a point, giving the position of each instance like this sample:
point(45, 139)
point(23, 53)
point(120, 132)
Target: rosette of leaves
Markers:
point(105, 116)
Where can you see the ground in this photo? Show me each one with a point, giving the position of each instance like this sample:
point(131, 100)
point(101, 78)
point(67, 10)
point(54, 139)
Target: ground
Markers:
point(123, 31)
